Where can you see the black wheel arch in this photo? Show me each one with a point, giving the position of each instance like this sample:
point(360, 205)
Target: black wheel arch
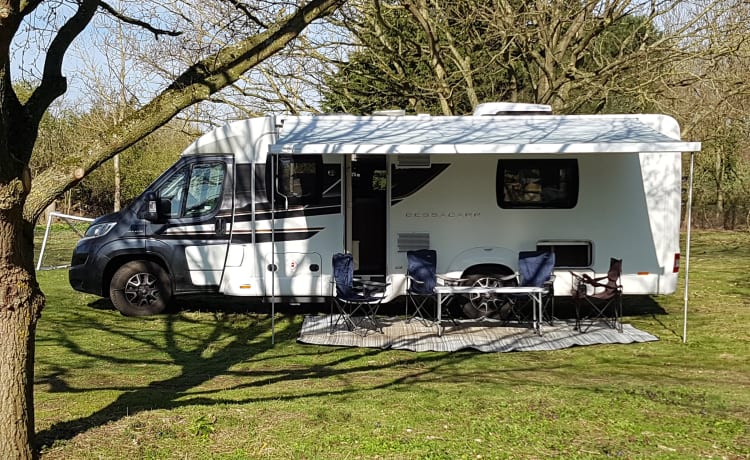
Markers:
point(487, 269)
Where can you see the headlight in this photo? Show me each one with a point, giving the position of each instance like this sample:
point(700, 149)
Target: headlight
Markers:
point(99, 230)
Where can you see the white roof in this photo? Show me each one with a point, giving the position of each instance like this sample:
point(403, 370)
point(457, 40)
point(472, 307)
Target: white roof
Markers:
point(514, 134)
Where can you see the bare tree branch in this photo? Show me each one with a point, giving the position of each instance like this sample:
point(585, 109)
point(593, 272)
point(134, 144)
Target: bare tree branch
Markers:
point(137, 22)
point(54, 84)
point(246, 11)
point(197, 83)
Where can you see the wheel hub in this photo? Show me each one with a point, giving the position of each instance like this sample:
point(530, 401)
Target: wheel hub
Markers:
point(141, 289)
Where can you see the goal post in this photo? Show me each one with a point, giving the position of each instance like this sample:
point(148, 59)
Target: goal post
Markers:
point(60, 237)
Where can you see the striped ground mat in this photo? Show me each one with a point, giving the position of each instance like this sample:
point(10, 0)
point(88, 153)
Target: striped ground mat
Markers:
point(486, 336)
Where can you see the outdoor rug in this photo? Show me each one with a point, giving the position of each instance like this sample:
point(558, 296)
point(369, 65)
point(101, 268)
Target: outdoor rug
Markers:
point(486, 336)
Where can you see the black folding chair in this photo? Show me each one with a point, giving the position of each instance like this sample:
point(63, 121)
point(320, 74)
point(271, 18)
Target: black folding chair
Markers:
point(354, 303)
point(599, 299)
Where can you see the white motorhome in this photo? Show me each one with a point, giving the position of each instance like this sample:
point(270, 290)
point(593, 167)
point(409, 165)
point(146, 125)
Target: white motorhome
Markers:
point(258, 207)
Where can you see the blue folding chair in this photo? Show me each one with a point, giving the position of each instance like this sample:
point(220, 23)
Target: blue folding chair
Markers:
point(421, 279)
point(535, 270)
point(354, 303)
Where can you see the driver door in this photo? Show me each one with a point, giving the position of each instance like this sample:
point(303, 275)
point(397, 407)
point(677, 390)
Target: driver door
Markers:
point(194, 237)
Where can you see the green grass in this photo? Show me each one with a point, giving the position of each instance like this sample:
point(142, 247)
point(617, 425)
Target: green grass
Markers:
point(61, 241)
point(202, 384)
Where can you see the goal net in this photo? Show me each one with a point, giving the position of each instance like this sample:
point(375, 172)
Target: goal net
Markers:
point(60, 237)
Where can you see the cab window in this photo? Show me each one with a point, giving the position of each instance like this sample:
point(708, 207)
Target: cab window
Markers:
point(195, 190)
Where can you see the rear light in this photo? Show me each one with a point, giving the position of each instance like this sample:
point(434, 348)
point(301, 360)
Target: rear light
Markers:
point(676, 267)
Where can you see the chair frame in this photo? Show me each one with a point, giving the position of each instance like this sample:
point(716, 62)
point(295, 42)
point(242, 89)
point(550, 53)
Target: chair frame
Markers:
point(416, 285)
point(359, 297)
point(519, 302)
point(605, 295)
point(418, 297)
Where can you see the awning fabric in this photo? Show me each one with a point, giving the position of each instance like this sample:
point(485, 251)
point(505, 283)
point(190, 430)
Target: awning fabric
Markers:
point(540, 134)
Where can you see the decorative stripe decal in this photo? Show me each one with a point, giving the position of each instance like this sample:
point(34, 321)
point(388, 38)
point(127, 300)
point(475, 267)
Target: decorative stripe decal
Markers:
point(244, 237)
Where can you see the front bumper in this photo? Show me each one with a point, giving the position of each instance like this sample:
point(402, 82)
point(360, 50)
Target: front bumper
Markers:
point(85, 274)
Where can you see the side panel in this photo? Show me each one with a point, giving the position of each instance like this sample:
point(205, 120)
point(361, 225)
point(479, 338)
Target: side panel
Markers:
point(628, 207)
point(662, 183)
point(287, 252)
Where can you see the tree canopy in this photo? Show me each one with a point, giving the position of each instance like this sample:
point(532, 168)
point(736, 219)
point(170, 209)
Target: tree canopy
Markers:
point(442, 56)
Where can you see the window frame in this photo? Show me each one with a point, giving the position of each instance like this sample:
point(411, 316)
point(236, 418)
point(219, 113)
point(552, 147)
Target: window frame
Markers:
point(312, 190)
point(562, 173)
point(185, 175)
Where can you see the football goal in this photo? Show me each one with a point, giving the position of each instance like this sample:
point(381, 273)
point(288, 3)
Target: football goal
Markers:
point(60, 237)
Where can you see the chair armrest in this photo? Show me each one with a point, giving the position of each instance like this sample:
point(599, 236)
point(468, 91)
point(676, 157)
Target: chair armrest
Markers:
point(596, 282)
point(414, 280)
point(373, 283)
point(370, 287)
point(586, 278)
point(359, 283)
point(516, 276)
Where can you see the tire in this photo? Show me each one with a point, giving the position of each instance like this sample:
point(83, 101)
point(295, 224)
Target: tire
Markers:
point(495, 306)
point(140, 288)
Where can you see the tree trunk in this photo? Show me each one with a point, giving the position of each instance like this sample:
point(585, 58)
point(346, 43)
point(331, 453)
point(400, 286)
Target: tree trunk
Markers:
point(116, 167)
point(21, 303)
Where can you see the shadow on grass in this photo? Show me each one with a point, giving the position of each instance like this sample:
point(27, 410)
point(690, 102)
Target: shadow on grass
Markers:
point(233, 338)
point(635, 305)
point(233, 342)
point(564, 308)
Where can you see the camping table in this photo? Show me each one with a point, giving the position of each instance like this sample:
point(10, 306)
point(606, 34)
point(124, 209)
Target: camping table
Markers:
point(535, 293)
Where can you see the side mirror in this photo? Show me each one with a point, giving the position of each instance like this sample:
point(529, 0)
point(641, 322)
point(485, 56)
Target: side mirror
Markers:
point(157, 209)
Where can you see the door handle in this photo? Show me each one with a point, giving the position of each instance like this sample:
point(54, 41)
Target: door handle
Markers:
point(219, 227)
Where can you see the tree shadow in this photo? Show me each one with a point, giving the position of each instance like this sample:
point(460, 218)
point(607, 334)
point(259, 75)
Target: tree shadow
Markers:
point(234, 342)
point(632, 305)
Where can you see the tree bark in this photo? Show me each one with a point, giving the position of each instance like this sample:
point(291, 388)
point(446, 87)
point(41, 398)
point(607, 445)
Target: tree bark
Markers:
point(21, 303)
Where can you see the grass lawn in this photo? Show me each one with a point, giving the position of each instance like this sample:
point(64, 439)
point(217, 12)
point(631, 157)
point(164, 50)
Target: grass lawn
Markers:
point(209, 384)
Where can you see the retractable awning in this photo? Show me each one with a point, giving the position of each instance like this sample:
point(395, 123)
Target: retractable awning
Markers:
point(420, 135)
point(500, 135)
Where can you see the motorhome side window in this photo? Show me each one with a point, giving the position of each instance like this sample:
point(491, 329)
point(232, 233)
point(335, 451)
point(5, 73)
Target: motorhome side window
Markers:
point(195, 190)
point(537, 183)
point(298, 180)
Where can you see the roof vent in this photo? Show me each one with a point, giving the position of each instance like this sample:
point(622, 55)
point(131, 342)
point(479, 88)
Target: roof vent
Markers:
point(511, 108)
point(389, 113)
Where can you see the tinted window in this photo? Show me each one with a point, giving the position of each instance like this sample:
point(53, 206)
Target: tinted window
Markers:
point(537, 183)
point(204, 189)
point(299, 180)
point(405, 182)
point(194, 190)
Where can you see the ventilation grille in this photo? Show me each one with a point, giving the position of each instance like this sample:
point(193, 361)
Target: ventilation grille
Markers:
point(413, 241)
point(412, 161)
